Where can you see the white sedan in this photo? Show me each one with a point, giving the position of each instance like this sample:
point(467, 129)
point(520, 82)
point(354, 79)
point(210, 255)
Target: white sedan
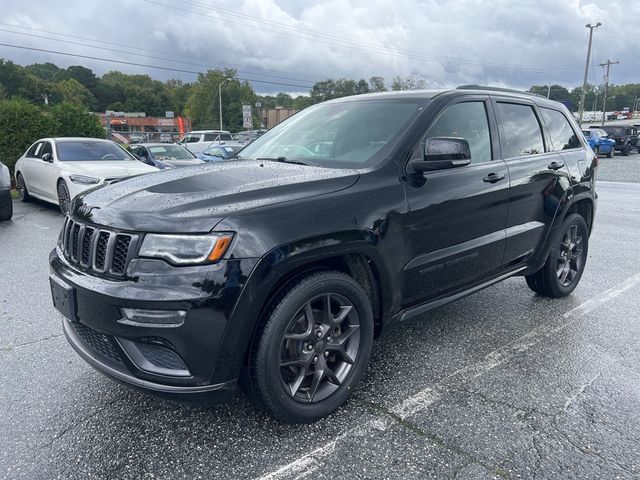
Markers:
point(57, 169)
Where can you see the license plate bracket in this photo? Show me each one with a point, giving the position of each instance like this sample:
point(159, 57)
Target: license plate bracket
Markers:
point(64, 298)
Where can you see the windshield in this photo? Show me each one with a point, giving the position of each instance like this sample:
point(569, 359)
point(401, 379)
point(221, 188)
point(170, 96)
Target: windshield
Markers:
point(88, 150)
point(217, 151)
point(171, 152)
point(341, 135)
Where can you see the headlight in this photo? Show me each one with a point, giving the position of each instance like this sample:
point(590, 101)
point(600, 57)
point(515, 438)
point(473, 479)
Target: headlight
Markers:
point(84, 180)
point(186, 249)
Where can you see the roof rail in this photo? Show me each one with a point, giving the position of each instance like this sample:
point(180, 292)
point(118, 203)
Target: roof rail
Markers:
point(497, 89)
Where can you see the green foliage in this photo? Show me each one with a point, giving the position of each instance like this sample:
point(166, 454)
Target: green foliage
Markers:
point(376, 84)
point(22, 123)
point(203, 103)
point(410, 82)
point(74, 121)
point(328, 89)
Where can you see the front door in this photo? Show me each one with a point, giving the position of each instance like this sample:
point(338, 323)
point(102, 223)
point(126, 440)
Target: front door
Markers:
point(455, 227)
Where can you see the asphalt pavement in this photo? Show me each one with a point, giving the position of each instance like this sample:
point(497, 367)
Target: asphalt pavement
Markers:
point(502, 384)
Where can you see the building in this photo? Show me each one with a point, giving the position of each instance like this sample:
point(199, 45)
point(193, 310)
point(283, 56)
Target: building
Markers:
point(270, 117)
point(122, 125)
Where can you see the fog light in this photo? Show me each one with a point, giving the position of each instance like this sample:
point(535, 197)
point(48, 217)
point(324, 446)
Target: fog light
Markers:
point(153, 318)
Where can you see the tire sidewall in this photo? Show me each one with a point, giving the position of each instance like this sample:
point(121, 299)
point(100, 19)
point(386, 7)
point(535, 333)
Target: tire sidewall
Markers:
point(268, 350)
point(23, 192)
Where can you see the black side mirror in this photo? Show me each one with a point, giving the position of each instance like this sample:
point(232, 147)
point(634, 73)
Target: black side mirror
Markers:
point(441, 153)
point(47, 157)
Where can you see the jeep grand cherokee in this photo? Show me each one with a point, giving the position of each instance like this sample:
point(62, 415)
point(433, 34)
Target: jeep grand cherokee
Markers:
point(279, 268)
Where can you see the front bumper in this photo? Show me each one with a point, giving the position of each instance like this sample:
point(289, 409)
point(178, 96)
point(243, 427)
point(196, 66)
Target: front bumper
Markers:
point(183, 358)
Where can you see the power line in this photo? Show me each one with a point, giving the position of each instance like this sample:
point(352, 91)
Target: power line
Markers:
point(347, 43)
point(111, 60)
point(139, 54)
point(287, 74)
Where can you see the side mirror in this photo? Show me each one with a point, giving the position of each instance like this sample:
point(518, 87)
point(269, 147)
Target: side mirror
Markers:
point(442, 153)
point(47, 157)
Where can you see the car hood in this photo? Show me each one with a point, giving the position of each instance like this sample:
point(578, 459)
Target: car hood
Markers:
point(105, 169)
point(195, 199)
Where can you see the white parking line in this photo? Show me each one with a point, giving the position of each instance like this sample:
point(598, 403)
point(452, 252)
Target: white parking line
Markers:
point(308, 463)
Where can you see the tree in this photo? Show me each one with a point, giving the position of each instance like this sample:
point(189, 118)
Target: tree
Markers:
point(74, 121)
point(74, 92)
point(84, 76)
point(21, 124)
point(376, 84)
point(203, 102)
point(410, 82)
point(301, 102)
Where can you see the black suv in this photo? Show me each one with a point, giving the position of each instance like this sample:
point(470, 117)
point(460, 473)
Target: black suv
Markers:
point(278, 268)
point(626, 137)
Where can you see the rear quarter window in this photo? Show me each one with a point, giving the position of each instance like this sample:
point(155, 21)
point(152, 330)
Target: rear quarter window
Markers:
point(563, 137)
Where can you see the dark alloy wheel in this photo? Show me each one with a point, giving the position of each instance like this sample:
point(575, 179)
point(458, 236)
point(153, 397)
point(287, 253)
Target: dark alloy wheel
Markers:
point(64, 199)
point(22, 188)
point(319, 348)
point(563, 268)
point(312, 348)
point(569, 259)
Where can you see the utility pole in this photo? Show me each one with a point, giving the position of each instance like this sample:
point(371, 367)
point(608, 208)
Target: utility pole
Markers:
point(586, 71)
point(220, 98)
point(607, 64)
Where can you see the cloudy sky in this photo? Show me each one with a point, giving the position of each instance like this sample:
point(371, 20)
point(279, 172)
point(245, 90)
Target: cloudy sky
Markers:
point(293, 43)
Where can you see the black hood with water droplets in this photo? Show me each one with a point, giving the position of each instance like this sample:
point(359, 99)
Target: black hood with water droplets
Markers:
point(195, 199)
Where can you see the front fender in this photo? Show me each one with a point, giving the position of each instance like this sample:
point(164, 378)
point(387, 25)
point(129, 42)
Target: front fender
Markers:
point(281, 265)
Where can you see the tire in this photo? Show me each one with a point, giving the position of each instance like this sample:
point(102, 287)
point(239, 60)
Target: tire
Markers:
point(6, 212)
point(21, 186)
point(611, 153)
point(559, 277)
point(304, 364)
point(626, 150)
point(64, 199)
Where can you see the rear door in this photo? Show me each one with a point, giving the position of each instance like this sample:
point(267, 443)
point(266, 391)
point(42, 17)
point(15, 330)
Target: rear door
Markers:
point(29, 165)
point(454, 231)
point(537, 174)
point(44, 175)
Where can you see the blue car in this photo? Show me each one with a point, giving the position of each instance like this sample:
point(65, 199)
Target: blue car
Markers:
point(600, 142)
point(219, 152)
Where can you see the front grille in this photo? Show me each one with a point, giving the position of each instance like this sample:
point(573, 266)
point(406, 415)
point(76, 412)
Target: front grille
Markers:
point(99, 342)
point(97, 249)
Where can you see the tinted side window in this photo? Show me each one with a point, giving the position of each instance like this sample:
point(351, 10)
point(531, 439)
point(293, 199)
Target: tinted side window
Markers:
point(33, 151)
point(46, 148)
point(520, 132)
point(469, 121)
point(562, 135)
point(225, 136)
point(211, 137)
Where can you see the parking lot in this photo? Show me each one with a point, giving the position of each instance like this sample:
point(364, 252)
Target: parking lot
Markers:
point(501, 384)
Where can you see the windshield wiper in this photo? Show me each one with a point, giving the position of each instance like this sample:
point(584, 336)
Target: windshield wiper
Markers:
point(281, 160)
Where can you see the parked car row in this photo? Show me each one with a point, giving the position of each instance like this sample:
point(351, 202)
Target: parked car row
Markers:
point(57, 169)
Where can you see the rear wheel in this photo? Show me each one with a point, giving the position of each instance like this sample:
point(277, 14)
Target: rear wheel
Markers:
point(563, 269)
point(21, 186)
point(64, 199)
point(312, 349)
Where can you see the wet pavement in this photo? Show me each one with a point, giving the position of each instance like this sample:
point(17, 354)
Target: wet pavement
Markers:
point(501, 384)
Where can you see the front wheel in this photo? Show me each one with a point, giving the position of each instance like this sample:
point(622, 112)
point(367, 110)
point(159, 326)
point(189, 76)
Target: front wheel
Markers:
point(313, 348)
point(64, 199)
point(626, 150)
point(611, 153)
point(563, 269)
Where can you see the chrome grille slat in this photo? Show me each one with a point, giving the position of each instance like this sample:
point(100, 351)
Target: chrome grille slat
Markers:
point(97, 249)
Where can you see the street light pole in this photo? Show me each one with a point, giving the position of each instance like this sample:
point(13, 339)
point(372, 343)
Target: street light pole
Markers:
point(586, 71)
point(220, 98)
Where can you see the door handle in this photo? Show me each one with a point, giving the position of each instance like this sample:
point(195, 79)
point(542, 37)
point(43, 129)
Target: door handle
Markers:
point(555, 165)
point(494, 177)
